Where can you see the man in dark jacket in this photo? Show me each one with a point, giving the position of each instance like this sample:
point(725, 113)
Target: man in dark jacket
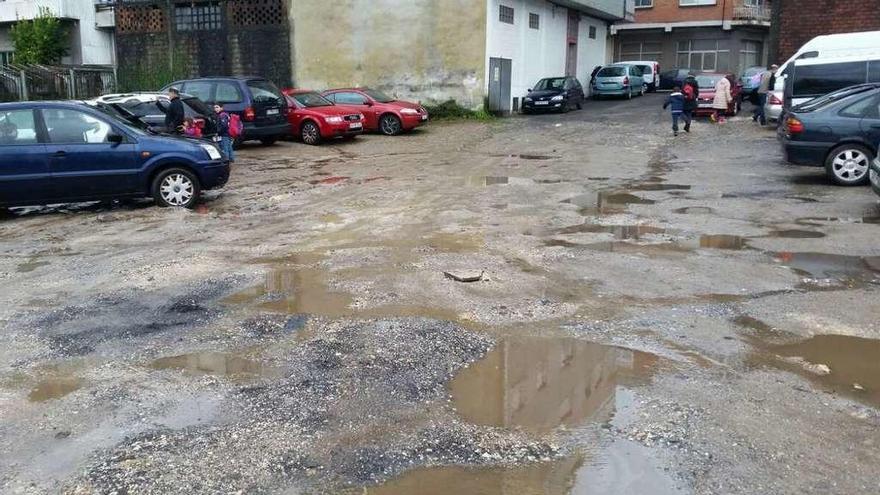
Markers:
point(174, 115)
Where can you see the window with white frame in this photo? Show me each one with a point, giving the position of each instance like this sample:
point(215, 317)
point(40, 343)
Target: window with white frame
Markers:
point(197, 16)
point(505, 14)
point(751, 54)
point(644, 4)
point(640, 51)
point(705, 55)
point(534, 21)
point(688, 3)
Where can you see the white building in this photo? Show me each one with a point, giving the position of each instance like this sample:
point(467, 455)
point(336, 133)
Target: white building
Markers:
point(89, 23)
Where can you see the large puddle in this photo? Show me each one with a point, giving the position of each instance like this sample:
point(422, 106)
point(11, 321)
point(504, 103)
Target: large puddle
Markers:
point(539, 384)
point(231, 366)
point(820, 269)
point(605, 202)
point(54, 388)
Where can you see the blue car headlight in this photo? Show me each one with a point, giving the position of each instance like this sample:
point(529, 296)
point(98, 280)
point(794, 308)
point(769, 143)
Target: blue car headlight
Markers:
point(213, 152)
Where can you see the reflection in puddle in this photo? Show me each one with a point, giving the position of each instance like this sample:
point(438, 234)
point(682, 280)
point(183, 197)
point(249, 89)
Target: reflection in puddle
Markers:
point(725, 242)
point(694, 210)
point(621, 232)
point(30, 266)
point(850, 270)
point(539, 384)
point(734, 242)
point(54, 388)
point(484, 181)
point(217, 363)
point(819, 221)
point(854, 363)
point(797, 234)
point(660, 187)
point(600, 203)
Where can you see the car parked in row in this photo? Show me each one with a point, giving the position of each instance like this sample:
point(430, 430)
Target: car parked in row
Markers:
point(650, 72)
point(674, 77)
point(554, 94)
point(314, 118)
point(619, 80)
point(706, 99)
point(63, 152)
point(259, 103)
point(839, 131)
point(150, 108)
point(814, 77)
point(382, 113)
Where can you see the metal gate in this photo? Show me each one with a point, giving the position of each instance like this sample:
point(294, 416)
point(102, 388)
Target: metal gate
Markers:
point(499, 85)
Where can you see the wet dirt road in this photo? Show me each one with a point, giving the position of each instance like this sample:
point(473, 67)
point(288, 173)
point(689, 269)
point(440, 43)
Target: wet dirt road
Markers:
point(652, 315)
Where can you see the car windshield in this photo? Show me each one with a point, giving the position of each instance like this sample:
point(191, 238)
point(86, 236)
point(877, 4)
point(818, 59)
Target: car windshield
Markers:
point(708, 81)
point(378, 95)
point(751, 71)
point(646, 69)
point(312, 100)
point(265, 92)
point(612, 72)
point(550, 84)
point(840, 94)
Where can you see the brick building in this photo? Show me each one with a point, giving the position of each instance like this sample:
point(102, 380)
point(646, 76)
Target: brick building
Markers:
point(794, 25)
point(707, 35)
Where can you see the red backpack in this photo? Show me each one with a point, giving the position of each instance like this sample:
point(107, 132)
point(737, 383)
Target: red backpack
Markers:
point(689, 92)
point(235, 126)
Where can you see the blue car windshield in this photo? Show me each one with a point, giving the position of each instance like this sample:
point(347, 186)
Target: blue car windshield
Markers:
point(821, 101)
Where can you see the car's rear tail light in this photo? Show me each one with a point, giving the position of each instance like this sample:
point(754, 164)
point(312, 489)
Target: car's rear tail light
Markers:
point(794, 126)
point(626, 81)
point(773, 99)
point(249, 113)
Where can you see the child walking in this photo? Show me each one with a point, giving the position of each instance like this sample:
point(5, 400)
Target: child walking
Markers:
point(223, 120)
point(676, 101)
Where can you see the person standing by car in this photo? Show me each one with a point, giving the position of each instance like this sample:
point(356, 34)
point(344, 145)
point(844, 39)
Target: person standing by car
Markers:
point(722, 100)
point(764, 87)
point(691, 92)
point(175, 115)
point(223, 121)
point(676, 101)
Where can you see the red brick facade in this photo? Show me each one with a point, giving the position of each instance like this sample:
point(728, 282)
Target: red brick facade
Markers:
point(799, 21)
point(672, 11)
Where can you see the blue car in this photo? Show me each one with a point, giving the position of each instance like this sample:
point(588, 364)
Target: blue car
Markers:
point(64, 152)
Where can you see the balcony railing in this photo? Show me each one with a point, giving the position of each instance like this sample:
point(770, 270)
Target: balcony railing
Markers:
point(755, 13)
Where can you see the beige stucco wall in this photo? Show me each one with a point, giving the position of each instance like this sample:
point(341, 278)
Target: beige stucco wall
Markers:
point(425, 50)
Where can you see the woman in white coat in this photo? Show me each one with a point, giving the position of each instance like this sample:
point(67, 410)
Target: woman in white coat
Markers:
point(722, 100)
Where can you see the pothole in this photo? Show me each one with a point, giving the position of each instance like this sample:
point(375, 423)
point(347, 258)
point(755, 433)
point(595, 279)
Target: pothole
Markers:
point(228, 365)
point(831, 270)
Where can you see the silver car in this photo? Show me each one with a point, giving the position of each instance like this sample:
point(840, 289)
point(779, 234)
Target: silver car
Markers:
point(619, 80)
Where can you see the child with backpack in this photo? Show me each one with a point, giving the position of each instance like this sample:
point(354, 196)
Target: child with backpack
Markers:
point(191, 129)
point(229, 128)
point(676, 101)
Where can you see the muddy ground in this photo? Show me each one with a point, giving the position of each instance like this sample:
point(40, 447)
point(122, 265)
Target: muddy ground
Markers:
point(653, 315)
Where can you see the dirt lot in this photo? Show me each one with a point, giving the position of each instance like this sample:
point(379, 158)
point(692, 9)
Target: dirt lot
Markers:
point(653, 315)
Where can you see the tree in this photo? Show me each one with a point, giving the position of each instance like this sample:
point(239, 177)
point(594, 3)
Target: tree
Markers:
point(43, 40)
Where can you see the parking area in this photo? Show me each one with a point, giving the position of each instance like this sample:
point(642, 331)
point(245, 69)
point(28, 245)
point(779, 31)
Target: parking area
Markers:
point(575, 303)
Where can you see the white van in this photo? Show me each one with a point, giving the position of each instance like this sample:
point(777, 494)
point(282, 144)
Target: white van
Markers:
point(814, 77)
point(650, 72)
point(820, 46)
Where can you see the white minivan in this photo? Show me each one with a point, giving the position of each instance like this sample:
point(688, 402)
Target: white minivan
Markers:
point(814, 77)
point(650, 72)
point(821, 46)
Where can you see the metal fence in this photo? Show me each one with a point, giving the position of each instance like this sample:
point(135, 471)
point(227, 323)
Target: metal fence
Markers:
point(43, 82)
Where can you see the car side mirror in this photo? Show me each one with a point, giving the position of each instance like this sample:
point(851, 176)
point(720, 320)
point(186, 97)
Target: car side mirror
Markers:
point(368, 103)
point(530, 90)
point(115, 138)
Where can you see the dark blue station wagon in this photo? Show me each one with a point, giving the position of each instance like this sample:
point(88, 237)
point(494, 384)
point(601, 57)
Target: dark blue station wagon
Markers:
point(63, 152)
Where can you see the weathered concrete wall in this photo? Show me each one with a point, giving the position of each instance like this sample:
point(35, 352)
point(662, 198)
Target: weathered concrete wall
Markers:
point(427, 50)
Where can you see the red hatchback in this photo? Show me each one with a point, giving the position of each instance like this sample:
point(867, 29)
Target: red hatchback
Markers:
point(707, 82)
point(383, 113)
point(314, 118)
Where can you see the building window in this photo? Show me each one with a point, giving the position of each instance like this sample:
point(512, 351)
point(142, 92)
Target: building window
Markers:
point(6, 58)
point(640, 51)
point(707, 55)
point(534, 21)
point(592, 32)
point(644, 4)
point(751, 54)
point(688, 3)
point(505, 14)
point(204, 16)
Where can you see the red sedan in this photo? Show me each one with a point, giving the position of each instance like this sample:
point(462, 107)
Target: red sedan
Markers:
point(383, 113)
point(707, 82)
point(314, 118)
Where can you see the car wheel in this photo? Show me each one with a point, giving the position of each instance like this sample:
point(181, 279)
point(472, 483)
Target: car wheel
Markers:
point(580, 104)
point(847, 165)
point(310, 133)
point(268, 141)
point(390, 125)
point(176, 187)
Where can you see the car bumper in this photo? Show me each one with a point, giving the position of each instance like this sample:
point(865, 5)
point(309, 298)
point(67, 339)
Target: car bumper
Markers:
point(253, 131)
point(412, 121)
point(329, 131)
point(533, 106)
point(214, 174)
point(874, 175)
point(811, 154)
point(773, 112)
point(611, 91)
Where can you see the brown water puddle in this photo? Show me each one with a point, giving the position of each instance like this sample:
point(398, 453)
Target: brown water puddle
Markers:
point(30, 266)
point(484, 181)
point(539, 384)
point(724, 242)
point(694, 210)
point(854, 364)
point(54, 388)
point(819, 267)
point(603, 203)
point(230, 365)
point(653, 186)
point(796, 234)
point(820, 221)
point(620, 232)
